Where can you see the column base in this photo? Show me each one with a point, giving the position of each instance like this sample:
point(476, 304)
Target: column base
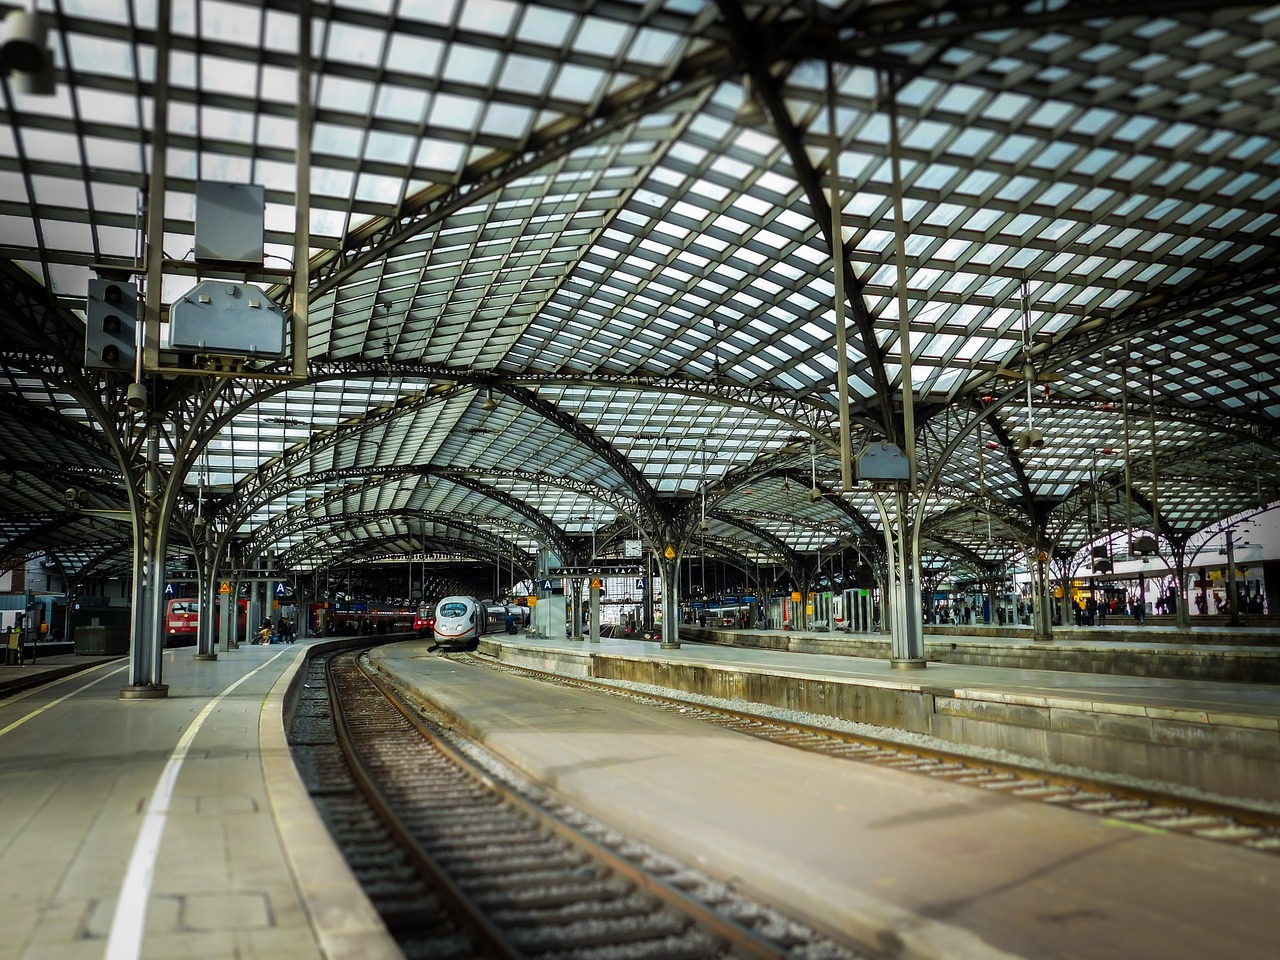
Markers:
point(204, 656)
point(673, 645)
point(910, 663)
point(577, 639)
point(145, 691)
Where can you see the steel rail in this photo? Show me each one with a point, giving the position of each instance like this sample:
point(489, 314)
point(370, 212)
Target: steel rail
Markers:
point(491, 939)
point(742, 942)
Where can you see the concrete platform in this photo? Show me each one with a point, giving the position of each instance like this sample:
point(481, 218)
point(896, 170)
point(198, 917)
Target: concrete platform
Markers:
point(1200, 653)
point(168, 828)
point(919, 867)
point(17, 677)
point(1220, 738)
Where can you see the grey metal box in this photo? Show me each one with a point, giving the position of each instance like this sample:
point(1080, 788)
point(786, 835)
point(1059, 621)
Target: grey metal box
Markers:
point(228, 319)
point(883, 461)
point(229, 223)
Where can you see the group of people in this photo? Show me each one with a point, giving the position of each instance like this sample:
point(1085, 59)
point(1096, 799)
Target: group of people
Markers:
point(282, 632)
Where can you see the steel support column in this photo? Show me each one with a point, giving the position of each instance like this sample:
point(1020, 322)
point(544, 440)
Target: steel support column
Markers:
point(670, 569)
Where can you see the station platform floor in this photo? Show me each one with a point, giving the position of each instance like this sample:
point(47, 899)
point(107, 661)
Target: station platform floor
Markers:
point(1197, 695)
point(1214, 652)
point(1213, 737)
point(167, 828)
point(918, 867)
point(178, 827)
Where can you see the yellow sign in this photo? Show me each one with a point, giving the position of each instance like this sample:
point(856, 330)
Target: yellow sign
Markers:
point(595, 583)
point(225, 588)
point(533, 600)
point(795, 596)
point(670, 552)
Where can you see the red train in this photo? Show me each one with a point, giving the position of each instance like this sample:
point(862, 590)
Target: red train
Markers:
point(182, 620)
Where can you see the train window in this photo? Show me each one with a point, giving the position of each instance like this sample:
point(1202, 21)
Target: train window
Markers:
point(452, 609)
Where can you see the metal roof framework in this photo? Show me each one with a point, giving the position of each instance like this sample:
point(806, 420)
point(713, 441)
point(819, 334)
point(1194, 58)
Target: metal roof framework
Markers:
point(559, 254)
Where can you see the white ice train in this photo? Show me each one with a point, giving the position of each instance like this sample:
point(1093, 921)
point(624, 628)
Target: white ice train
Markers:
point(462, 621)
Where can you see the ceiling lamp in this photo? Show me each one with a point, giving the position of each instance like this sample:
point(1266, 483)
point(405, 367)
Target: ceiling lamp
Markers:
point(25, 53)
point(490, 404)
point(1031, 436)
point(749, 113)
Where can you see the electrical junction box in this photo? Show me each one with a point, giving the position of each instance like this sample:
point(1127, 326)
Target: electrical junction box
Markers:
point(883, 461)
point(229, 223)
point(227, 319)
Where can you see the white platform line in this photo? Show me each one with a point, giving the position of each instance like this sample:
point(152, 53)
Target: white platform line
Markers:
point(53, 703)
point(125, 940)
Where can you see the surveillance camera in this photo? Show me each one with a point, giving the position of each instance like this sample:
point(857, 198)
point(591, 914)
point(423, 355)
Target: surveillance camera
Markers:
point(136, 397)
point(72, 495)
point(704, 525)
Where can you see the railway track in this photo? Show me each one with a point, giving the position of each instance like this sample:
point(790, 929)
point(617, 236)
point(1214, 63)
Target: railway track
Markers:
point(1146, 808)
point(467, 861)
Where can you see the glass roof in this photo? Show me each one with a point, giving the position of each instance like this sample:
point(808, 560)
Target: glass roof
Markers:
point(571, 277)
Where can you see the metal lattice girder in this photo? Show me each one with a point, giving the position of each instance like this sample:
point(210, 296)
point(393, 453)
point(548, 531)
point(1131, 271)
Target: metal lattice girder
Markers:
point(356, 520)
point(340, 502)
point(578, 204)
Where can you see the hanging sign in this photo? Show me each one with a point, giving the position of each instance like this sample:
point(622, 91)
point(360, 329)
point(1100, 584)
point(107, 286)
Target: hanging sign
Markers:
point(670, 552)
point(169, 591)
point(280, 589)
point(596, 583)
point(225, 588)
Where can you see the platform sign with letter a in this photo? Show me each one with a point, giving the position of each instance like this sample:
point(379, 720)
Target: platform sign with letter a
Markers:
point(280, 589)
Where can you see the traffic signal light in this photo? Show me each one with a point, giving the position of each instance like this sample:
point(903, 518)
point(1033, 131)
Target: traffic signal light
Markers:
point(111, 318)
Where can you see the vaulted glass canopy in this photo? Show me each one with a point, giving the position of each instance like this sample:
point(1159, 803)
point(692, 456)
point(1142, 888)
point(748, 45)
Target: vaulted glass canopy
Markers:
point(568, 264)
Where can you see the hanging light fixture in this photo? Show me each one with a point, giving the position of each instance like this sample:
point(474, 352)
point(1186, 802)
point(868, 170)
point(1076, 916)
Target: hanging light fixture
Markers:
point(25, 54)
point(490, 404)
point(1029, 437)
point(815, 492)
point(749, 112)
